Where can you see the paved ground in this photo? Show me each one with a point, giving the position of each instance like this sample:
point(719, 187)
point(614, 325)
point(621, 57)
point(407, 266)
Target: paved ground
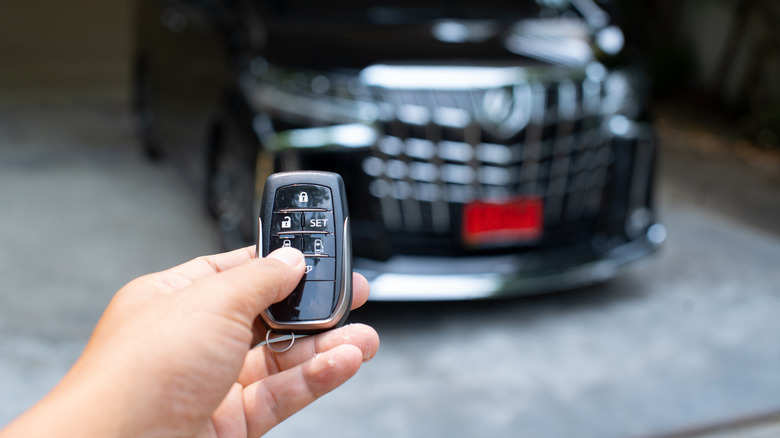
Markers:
point(683, 340)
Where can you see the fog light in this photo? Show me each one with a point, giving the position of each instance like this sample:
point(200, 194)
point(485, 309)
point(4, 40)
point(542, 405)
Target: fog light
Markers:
point(638, 221)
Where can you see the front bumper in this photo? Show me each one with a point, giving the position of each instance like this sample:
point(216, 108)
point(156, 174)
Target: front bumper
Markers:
point(411, 278)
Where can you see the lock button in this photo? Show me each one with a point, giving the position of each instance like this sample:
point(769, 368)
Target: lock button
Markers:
point(303, 196)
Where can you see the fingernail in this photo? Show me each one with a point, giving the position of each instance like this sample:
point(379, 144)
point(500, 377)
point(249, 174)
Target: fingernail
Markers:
point(290, 256)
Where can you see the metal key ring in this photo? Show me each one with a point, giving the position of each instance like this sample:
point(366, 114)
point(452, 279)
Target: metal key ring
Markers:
point(268, 342)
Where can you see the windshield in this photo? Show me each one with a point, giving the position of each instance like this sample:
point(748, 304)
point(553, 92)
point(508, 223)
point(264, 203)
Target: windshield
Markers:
point(384, 12)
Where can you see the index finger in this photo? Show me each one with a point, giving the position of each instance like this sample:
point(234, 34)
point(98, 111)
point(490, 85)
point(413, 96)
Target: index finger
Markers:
point(243, 291)
point(212, 264)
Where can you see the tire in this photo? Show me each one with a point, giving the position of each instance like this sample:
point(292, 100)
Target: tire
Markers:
point(231, 186)
point(144, 117)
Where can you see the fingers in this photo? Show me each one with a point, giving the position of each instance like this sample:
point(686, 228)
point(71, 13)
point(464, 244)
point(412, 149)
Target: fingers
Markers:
point(359, 290)
point(275, 398)
point(262, 362)
point(254, 365)
point(359, 297)
point(228, 419)
point(243, 291)
point(215, 263)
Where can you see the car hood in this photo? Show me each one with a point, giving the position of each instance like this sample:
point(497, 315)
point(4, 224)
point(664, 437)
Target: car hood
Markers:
point(525, 33)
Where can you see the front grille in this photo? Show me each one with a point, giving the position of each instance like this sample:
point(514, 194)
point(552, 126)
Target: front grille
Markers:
point(440, 149)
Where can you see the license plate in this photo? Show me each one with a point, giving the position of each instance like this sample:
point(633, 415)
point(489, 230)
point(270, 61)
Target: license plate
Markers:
point(488, 223)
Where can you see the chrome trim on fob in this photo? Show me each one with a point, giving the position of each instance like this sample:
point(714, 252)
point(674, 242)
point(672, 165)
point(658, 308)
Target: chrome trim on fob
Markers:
point(345, 294)
point(259, 248)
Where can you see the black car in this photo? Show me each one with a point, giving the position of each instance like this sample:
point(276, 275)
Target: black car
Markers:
point(488, 147)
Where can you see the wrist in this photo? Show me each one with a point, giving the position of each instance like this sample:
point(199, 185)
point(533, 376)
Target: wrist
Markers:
point(75, 407)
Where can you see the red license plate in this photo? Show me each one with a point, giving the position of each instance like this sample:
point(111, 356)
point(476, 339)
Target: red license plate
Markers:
point(493, 223)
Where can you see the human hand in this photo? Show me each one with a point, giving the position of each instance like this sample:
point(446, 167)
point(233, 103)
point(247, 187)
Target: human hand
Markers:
point(171, 356)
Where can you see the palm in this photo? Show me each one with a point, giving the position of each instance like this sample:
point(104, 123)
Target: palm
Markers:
point(170, 356)
point(270, 386)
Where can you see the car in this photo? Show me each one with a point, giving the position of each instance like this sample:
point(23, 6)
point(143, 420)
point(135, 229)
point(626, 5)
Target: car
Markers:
point(489, 148)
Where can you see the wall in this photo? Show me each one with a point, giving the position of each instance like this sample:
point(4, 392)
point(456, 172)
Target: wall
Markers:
point(736, 46)
point(55, 44)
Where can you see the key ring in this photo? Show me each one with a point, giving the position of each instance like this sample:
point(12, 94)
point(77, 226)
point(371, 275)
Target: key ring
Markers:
point(269, 342)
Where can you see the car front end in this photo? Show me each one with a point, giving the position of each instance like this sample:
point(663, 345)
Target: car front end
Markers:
point(478, 177)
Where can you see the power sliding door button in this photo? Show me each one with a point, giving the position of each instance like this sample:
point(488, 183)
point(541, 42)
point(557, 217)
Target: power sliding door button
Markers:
point(319, 245)
point(285, 241)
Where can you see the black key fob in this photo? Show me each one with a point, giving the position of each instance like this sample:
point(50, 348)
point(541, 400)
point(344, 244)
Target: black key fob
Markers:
point(307, 210)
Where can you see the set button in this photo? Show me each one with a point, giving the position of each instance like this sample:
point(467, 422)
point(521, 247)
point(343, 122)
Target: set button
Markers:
point(318, 221)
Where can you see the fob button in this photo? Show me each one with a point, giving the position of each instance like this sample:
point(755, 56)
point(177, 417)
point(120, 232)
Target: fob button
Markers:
point(318, 221)
point(303, 196)
point(319, 244)
point(311, 302)
point(285, 241)
point(320, 268)
point(282, 222)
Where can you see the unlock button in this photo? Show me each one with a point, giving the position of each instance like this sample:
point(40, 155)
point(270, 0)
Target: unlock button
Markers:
point(284, 222)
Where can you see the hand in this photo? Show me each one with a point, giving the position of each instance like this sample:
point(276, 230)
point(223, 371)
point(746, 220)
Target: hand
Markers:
point(171, 356)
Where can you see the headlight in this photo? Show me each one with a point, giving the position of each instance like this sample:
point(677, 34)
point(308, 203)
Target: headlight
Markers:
point(308, 97)
point(621, 94)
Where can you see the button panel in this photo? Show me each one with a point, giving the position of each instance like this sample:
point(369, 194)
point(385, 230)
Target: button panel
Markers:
point(302, 218)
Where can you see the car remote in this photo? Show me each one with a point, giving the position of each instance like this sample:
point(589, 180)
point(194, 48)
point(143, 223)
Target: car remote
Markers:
point(307, 210)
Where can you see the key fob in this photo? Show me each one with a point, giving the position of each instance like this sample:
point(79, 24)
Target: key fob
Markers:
point(307, 210)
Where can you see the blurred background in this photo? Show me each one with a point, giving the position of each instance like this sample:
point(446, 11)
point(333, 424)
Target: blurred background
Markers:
point(683, 344)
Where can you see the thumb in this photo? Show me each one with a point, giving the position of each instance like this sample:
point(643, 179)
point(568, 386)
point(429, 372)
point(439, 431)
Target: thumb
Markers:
point(242, 292)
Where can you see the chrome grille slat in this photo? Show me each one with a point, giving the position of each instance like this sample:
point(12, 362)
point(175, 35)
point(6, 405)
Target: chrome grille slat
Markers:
point(566, 114)
point(440, 211)
point(472, 136)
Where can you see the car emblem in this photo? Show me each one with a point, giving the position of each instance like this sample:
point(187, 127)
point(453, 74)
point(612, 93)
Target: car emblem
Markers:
point(506, 111)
